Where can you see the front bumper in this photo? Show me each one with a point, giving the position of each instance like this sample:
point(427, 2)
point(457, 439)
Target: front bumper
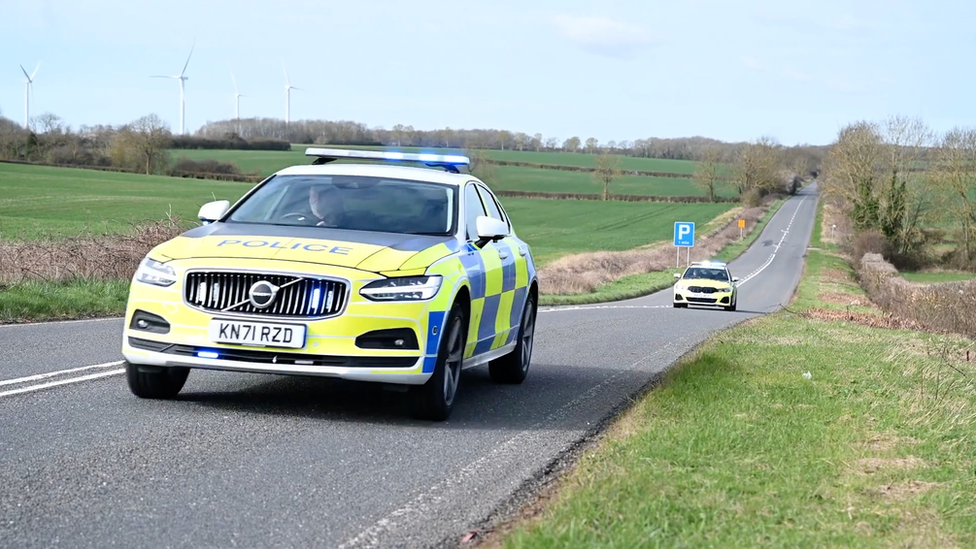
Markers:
point(333, 346)
point(716, 299)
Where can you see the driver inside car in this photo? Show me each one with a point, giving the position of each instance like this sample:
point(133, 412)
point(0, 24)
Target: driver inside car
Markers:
point(326, 205)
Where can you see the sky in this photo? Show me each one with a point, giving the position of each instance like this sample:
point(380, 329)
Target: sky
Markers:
point(611, 69)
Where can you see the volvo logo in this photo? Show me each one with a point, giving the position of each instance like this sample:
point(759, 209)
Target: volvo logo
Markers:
point(262, 294)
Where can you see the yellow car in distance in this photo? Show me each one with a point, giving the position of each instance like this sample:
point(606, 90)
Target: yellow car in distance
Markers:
point(708, 283)
point(362, 271)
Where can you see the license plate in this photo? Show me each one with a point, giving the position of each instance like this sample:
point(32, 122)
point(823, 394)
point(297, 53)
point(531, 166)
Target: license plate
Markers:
point(261, 334)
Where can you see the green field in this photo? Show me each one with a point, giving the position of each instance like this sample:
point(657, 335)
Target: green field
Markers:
point(558, 181)
point(558, 227)
point(37, 201)
point(935, 277)
point(508, 177)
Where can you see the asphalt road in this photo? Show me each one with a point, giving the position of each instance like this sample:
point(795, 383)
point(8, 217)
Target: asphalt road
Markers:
point(256, 460)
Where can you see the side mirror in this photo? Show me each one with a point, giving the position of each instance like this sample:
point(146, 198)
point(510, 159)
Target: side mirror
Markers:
point(212, 211)
point(490, 229)
point(735, 279)
point(677, 275)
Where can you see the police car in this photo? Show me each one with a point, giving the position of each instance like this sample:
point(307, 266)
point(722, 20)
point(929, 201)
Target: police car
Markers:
point(708, 283)
point(367, 271)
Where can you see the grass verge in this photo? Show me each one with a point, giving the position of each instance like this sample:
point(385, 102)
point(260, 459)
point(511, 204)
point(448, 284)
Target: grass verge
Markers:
point(738, 448)
point(642, 284)
point(71, 299)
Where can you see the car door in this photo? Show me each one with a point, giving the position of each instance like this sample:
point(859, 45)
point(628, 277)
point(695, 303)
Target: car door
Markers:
point(483, 266)
point(513, 263)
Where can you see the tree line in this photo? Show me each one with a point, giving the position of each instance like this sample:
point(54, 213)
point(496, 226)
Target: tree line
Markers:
point(755, 169)
point(907, 188)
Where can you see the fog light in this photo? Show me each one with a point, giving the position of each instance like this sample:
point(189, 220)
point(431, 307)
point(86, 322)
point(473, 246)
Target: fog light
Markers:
point(142, 324)
point(399, 343)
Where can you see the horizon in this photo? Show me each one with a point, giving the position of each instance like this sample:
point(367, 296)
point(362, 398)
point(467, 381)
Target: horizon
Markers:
point(797, 73)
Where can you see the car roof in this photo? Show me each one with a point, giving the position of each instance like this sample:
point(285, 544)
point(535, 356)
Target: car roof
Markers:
point(382, 170)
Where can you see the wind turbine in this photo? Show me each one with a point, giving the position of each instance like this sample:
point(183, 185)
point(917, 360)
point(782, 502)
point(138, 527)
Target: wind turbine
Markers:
point(182, 78)
point(28, 92)
point(237, 98)
point(288, 88)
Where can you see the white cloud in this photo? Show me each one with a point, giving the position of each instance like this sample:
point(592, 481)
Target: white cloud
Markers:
point(751, 63)
point(604, 36)
point(795, 74)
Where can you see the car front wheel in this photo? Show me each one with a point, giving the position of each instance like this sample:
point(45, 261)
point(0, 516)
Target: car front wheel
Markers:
point(513, 367)
point(154, 381)
point(434, 400)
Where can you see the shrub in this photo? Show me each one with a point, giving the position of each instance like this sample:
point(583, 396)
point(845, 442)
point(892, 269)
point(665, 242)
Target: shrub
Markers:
point(869, 242)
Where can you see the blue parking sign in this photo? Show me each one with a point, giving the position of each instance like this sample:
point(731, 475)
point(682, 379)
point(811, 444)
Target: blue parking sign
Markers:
point(684, 234)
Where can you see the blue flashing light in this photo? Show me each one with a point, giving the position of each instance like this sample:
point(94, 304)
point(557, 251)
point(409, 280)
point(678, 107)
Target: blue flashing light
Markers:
point(443, 159)
point(207, 354)
point(313, 305)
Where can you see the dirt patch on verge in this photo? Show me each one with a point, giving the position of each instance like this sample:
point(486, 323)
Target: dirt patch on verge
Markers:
point(905, 490)
point(869, 466)
point(865, 319)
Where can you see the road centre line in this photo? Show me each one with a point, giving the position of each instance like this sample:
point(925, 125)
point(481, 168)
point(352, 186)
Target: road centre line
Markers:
point(37, 377)
point(32, 388)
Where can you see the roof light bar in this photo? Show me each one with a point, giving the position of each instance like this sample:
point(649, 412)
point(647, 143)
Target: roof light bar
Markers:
point(446, 161)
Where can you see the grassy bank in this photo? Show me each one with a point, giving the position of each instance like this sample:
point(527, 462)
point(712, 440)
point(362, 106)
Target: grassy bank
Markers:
point(738, 448)
point(642, 284)
point(36, 301)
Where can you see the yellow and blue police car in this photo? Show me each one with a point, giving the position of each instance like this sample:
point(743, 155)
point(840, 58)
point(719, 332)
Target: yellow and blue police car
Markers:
point(367, 271)
point(708, 283)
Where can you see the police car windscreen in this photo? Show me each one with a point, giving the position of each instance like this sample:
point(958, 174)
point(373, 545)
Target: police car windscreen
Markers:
point(708, 274)
point(352, 202)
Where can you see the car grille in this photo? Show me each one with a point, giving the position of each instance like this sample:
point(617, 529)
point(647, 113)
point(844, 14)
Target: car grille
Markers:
point(701, 290)
point(297, 297)
point(701, 300)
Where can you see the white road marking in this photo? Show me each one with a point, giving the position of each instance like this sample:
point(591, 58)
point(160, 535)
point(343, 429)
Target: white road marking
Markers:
point(59, 373)
point(28, 379)
point(780, 243)
point(50, 384)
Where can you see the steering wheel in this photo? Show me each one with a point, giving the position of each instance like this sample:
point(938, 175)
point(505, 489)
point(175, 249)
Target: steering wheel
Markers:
point(297, 215)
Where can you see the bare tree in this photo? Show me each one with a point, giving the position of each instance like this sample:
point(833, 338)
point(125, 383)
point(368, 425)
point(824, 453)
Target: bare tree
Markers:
point(708, 173)
point(607, 170)
point(572, 144)
point(956, 169)
point(149, 138)
point(481, 166)
point(758, 169)
point(591, 145)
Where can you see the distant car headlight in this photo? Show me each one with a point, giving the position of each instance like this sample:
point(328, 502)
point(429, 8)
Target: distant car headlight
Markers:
point(155, 273)
point(409, 288)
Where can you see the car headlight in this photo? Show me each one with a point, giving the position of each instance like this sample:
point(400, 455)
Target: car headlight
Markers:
point(156, 273)
point(409, 288)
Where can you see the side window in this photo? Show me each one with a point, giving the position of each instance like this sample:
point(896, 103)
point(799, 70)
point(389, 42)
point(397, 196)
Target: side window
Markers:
point(472, 210)
point(493, 209)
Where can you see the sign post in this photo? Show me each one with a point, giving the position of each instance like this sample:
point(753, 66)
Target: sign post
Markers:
point(742, 225)
point(684, 237)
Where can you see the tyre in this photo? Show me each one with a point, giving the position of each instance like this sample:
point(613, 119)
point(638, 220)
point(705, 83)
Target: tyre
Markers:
point(434, 400)
point(680, 305)
point(155, 382)
point(513, 367)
